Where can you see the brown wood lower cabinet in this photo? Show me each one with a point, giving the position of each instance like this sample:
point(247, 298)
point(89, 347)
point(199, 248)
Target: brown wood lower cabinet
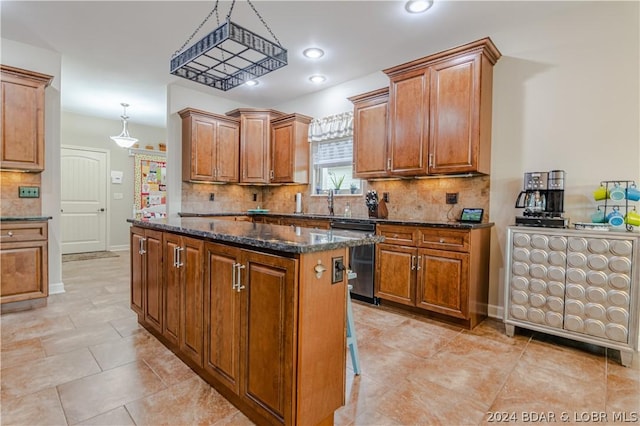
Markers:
point(259, 327)
point(439, 271)
point(23, 262)
point(183, 294)
point(251, 312)
point(146, 276)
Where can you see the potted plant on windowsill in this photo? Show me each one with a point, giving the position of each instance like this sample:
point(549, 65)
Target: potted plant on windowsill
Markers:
point(353, 188)
point(336, 181)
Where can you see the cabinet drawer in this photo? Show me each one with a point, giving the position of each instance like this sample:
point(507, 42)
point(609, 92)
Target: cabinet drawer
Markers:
point(444, 239)
point(23, 231)
point(395, 234)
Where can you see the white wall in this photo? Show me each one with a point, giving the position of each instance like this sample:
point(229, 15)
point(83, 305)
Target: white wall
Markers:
point(47, 62)
point(93, 132)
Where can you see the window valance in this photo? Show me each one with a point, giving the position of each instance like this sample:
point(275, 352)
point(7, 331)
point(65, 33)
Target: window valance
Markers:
point(336, 126)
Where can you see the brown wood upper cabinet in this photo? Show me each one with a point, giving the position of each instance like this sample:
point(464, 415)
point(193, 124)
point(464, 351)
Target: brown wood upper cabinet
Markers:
point(370, 134)
point(440, 112)
point(290, 149)
point(210, 147)
point(255, 143)
point(22, 122)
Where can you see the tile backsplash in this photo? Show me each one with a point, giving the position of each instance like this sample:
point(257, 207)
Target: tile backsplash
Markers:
point(10, 203)
point(409, 199)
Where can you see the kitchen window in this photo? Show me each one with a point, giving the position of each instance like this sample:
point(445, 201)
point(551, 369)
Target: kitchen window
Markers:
point(333, 167)
point(332, 155)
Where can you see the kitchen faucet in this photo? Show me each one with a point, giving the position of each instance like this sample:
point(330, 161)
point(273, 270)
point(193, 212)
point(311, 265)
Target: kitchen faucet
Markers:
point(330, 202)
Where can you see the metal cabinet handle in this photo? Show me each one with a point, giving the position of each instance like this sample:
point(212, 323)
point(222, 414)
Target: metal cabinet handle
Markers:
point(389, 163)
point(10, 234)
point(179, 257)
point(141, 249)
point(234, 284)
point(441, 240)
point(175, 256)
point(413, 263)
point(239, 285)
point(418, 263)
point(430, 160)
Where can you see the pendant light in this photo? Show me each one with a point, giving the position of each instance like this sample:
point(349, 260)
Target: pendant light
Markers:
point(123, 139)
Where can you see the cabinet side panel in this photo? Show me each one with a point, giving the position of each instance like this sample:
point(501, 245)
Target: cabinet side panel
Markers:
point(322, 339)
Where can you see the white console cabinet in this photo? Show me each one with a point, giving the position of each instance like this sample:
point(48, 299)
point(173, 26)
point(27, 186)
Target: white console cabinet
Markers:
point(582, 285)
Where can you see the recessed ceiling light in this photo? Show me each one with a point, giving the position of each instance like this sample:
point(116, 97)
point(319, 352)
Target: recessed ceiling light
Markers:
point(418, 6)
point(317, 79)
point(313, 53)
point(251, 83)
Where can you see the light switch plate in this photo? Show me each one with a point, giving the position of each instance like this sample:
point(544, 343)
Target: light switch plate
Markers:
point(29, 192)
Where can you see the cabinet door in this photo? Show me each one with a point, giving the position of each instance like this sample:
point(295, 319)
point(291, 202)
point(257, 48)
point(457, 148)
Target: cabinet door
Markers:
point(171, 324)
point(200, 143)
point(443, 280)
point(152, 281)
point(228, 152)
point(254, 147)
point(454, 115)
point(395, 273)
point(22, 123)
point(409, 123)
point(191, 298)
point(23, 271)
point(282, 153)
point(137, 270)
point(370, 137)
point(268, 309)
point(222, 315)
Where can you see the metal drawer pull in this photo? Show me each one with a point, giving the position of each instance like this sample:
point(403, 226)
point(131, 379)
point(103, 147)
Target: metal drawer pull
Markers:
point(10, 234)
point(418, 263)
point(413, 263)
point(233, 276)
point(141, 249)
point(441, 240)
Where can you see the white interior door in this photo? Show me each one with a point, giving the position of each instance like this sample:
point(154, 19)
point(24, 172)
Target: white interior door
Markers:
point(83, 200)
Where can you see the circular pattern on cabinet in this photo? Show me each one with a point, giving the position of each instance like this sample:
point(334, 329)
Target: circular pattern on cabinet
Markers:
point(597, 278)
point(573, 323)
point(594, 328)
point(521, 240)
point(595, 310)
point(578, 244)
point(557, 258)
point(619, 281)
point(618, 298)
point(621, 247)
point(574, 307)
point(537, 300)
point(520, 268)
point(554, 319)
point(519, 297)
point(598, 245)
point(538, 271)
point(617, 315)
point(577, 276)
point(536, 315)
point(556, 288)
point(521, 254)
point(538, 256)
point(537, 286)
point(519, 312)
point(556, 304)
point(616, 332)
point(620, 264)
point(596, 295)
point(555, 273)
point(597, 262)
point(558, 243)
point(519, 283)
point(539, 241)
point(576, 260)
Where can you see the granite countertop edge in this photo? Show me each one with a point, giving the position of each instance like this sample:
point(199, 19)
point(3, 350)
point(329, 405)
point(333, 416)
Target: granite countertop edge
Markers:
point(240, 233)
point(409, 222)
point(24, 218)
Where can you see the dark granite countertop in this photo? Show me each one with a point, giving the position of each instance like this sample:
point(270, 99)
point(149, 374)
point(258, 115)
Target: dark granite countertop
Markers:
point(257, 235)
point(355, 219)
point(24, 218)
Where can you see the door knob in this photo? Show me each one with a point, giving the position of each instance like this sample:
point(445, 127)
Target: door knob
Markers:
point(100, 210)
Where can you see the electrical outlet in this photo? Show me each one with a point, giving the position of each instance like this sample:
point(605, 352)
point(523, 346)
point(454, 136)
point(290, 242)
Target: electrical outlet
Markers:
point(212, 196)
point(255, 197)
point(28, 192)
point(337, 269)
point(452, 198)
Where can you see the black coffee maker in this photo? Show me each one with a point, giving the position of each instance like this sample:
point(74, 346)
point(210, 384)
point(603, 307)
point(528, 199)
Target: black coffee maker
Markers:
point(542, 199)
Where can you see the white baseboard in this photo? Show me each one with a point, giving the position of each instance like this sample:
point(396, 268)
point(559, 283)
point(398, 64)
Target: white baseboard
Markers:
point(123, 247)
point(56, 288)
point(496, 312)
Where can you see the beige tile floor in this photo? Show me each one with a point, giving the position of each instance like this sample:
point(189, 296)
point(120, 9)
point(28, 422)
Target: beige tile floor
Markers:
point(84, 360)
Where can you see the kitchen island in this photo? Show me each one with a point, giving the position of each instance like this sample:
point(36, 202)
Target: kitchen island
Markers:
point(257, 310)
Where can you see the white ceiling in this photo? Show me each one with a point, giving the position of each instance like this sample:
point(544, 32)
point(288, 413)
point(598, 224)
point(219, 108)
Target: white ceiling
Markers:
point(119, 51)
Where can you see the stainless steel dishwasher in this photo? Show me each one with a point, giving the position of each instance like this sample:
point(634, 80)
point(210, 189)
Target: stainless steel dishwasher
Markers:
point(361, 259)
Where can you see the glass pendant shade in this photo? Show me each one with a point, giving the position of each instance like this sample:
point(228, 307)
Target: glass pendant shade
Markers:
point(124, 140)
